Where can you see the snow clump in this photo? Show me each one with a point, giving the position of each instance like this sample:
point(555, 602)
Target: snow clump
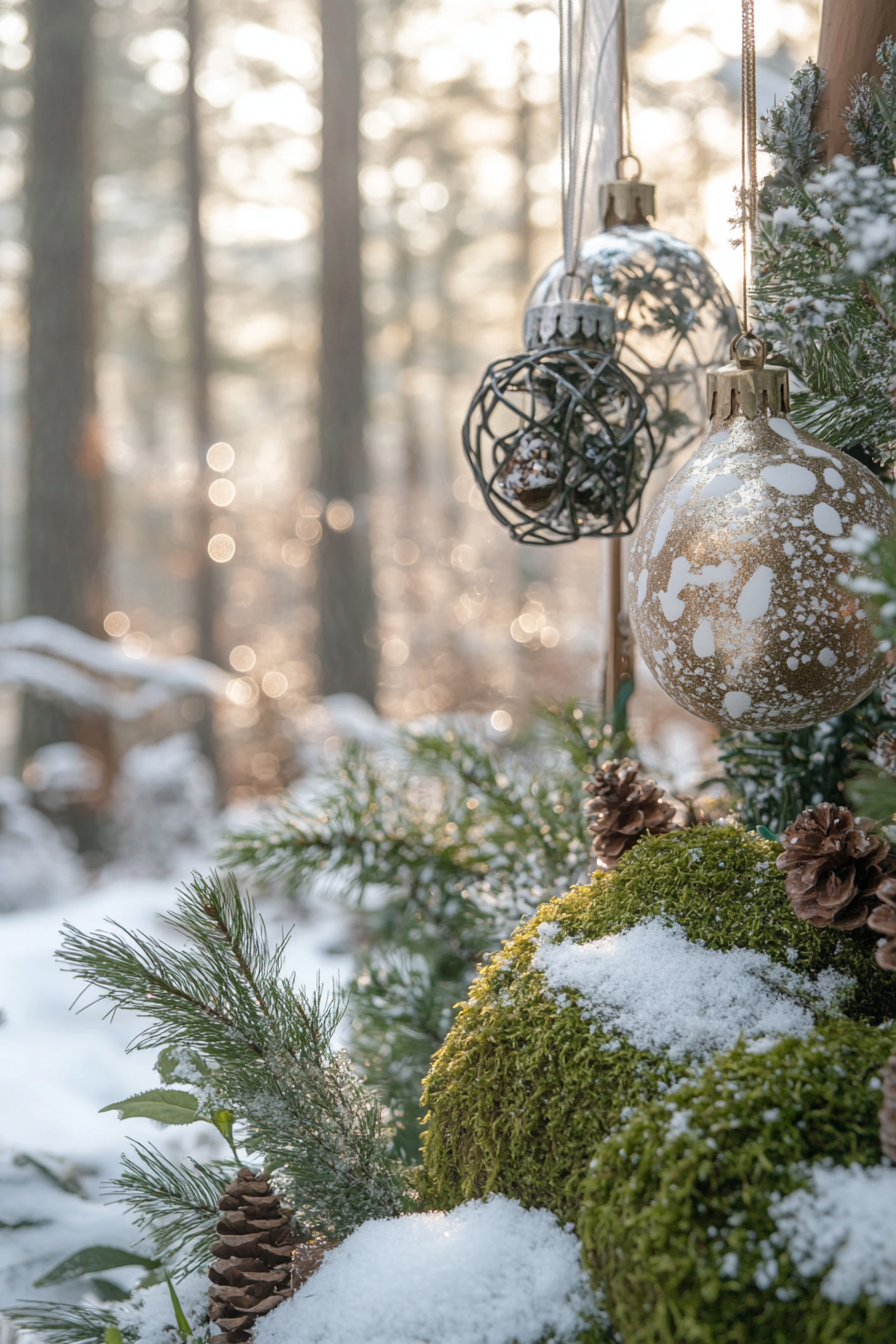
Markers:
point(667, 994)
point(489, 1272)
point(845, 1223)
point(38, 866)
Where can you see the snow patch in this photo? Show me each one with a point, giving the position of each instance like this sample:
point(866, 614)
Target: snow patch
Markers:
point(846, 1220)
point(642, 586)
point(784, 428)
point(668, 994)
point(833, 478)
point(791, 479)
point(489, 1272)
point(680, 575)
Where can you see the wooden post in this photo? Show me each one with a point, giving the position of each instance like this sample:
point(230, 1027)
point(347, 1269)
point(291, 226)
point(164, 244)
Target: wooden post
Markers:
point(615, 671)
point(851, 32)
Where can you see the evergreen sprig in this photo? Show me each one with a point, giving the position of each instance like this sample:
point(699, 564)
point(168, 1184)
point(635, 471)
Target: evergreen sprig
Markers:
point(60, 1323)
point(173, 1204)
point(299, 1104)
point(442, 844)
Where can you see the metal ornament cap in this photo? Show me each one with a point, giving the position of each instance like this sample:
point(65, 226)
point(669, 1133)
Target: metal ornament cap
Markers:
point(568, 323)
point(733, 581)
point(748, 385)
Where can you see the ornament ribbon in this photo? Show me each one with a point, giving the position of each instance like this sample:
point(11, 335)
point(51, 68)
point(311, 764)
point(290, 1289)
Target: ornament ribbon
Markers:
point(749, 201)
point(589, 111)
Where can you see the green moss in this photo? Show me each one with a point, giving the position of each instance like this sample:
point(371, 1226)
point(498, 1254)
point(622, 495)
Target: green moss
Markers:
point(523, 1091)
point(661, 1214)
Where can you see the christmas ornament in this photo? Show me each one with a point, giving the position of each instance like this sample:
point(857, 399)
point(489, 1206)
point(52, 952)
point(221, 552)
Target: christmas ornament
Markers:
point(253, 1271)
point(558, 438)
point(674, 316)
point(624, 808)
point(733, 585)
point(835, 868)
point(734, 597)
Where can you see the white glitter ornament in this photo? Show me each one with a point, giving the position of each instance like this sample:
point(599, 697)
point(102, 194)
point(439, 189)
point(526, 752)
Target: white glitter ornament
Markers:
point(733, 585)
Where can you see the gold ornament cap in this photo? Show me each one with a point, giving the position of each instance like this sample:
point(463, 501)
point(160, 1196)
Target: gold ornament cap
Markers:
point(747, 386)
point(629, 200)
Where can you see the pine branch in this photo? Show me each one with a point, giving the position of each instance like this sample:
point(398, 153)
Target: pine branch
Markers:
point(298, 1103)
point(174, 1205)
point(59, 1323)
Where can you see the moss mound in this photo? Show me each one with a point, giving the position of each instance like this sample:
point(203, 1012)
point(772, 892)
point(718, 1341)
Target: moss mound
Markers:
point(678, 1220)
point(525, 1088)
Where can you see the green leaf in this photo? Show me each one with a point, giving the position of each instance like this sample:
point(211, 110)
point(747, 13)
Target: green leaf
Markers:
point(113, 1336)
point(68, 1183)
point(107, 1291)
point(178, 1064)
point(223, 1123)
point(183, 1325)
point(766, 833)
point(168, 1106)
point(92, 1260)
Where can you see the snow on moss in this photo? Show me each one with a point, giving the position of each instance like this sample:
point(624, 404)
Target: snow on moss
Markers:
point(845, 1224)
point(487, 1273)
point(663, 992)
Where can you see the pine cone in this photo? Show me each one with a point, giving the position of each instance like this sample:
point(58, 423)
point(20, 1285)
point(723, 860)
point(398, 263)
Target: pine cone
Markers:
point(624, 808)
point(834, 866)
point(883, 920)
point(888, 1109)
point(253, 1271)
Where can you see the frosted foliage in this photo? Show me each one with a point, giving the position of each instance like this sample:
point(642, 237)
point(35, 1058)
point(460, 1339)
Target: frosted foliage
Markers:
point(37, 865)
point(486, 1273)
point(664, 993)
point(844, 1223)
point(164, 806)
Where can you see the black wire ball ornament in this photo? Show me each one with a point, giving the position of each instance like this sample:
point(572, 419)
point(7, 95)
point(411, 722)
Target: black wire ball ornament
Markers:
point(558, 438)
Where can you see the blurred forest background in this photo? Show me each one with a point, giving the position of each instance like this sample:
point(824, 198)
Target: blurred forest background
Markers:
point(273, 248)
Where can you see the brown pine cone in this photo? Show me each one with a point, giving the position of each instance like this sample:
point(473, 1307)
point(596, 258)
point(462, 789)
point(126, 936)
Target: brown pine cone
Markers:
point(888, 1110)
point(255, 1246)
point(883, 920)
point(624, 808)
point(835, 866)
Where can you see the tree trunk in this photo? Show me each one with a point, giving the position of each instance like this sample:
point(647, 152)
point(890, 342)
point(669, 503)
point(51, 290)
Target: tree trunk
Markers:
point(207, 579)
point(64, 528)
point(345, 593)
point(851, 32)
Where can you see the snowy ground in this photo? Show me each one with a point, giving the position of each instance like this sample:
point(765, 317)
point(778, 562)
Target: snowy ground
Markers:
point(59, 1067)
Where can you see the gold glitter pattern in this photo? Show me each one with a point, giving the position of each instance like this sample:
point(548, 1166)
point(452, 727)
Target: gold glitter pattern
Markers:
point(732, 584)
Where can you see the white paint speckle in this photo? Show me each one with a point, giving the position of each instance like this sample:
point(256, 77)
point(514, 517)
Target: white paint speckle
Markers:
point(833, 478)
point(827, 520)
point(662, 532)
point(704, 640)
point(680, 575)
point(723, 484)
point(793, 663)
point(791, 479)
point(642, 586)
point(784, 428)
point(684, 493)
point(722, 437)
point(737, 703)
point(827, 657)
point(788, 548)
point(756, 594)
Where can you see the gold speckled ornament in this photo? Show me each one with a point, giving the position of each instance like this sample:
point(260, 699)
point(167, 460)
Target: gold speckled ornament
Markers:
point(733, 592)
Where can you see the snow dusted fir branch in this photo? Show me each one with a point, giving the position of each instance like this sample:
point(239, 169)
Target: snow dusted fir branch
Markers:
point(442, 843)
point(262, 1050)
point(823, 284)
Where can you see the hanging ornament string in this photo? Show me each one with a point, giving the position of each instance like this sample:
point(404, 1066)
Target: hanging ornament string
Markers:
point(582, 57)
point(749, 175)
point(625, 116)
